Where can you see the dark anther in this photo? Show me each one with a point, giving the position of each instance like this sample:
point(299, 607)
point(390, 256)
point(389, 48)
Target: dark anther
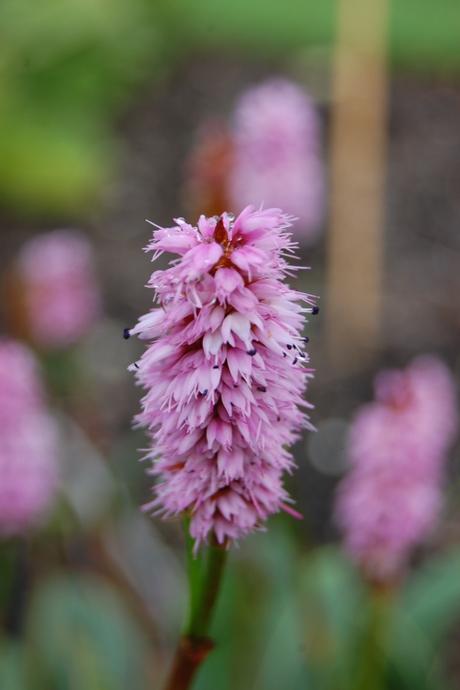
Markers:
point(262, 389)
point(126, 333)
point(278, 419)
point(294, 361)
point(284, 354)
point(203, 393)
point(235, 385)
point(136, 365)
point(216, 366)
point(306, 339)
point(289, 347)
point(252, 352)
point(315, 311)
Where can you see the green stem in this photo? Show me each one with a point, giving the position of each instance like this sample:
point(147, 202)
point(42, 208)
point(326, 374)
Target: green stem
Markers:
point(205, 572)
point(372, 669)
point(13, 586)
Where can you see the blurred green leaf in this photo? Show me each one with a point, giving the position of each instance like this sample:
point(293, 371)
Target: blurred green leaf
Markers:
point(49, 166)
point(259, 27)
point(411, 664)
point(423, 612)
point(82, 637)
point(84, 51)
point(423, 34)
point(280, 659)
point(339, 619)
point(283, 661)
point(12, 666)
point(64, 69)
point(431, 597)
point(336, 612)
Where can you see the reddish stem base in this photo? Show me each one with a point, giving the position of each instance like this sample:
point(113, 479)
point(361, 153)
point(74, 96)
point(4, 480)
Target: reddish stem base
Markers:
point(190, 654)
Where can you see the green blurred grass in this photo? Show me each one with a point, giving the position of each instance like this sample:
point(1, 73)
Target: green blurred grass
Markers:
point(423, 34)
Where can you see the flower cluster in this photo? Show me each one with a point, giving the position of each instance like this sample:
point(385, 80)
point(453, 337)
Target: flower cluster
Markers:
point(277, 157)
point(397, 449)
point(225, 373)
point(60, 293)
point(28, 442)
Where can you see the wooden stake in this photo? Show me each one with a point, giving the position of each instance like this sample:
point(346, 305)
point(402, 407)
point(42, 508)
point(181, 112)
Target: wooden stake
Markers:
point(358, 143)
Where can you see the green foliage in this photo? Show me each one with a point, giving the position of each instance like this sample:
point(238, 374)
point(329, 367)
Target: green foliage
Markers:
point(294, 621)
point(335, 613)
point(48, 166)
point(428, 606)
point(12, 666)
point(432, 596)
point(80, 636)
point(64, 68)
point(423, 34)
point(256, 634)
point(359, 636)
point(258, 27)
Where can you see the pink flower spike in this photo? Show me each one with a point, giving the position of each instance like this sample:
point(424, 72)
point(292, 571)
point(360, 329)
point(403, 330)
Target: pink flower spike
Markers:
point(28, 442)
point(223, 373)
point(390, 500)
point(61, 297)
point(277, 156)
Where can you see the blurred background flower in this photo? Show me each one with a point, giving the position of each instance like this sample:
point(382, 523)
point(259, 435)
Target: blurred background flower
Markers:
point(57, 288)
point(29, 450)
point(391, 498)
point(278, 155)
point(267, 154)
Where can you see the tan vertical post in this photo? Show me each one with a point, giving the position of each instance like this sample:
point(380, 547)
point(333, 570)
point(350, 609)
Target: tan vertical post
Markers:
point(358, 143)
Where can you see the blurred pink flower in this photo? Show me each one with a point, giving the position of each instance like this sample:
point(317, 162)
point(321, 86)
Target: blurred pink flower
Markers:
point(391, 498)
point(20, 389)
point(225, 374)
point(61, 295)
point(277, 159)
point(28, 442)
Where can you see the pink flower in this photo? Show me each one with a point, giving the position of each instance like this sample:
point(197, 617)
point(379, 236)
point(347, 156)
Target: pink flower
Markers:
point(277, 158)
point(20, 389)
point(391, 498)
point(61, 296)
point(28, 442)
point(225, 372)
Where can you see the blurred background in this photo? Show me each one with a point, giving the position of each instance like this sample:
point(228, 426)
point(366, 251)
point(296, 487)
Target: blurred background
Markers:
point(117, 111)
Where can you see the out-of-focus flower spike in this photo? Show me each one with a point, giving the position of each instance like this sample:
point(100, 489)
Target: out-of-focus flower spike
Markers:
point(277, 155)
point(57, 289)
point(28, 442)
point(390, 500)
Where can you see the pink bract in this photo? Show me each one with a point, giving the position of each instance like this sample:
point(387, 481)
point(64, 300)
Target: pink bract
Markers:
point(225, 371)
